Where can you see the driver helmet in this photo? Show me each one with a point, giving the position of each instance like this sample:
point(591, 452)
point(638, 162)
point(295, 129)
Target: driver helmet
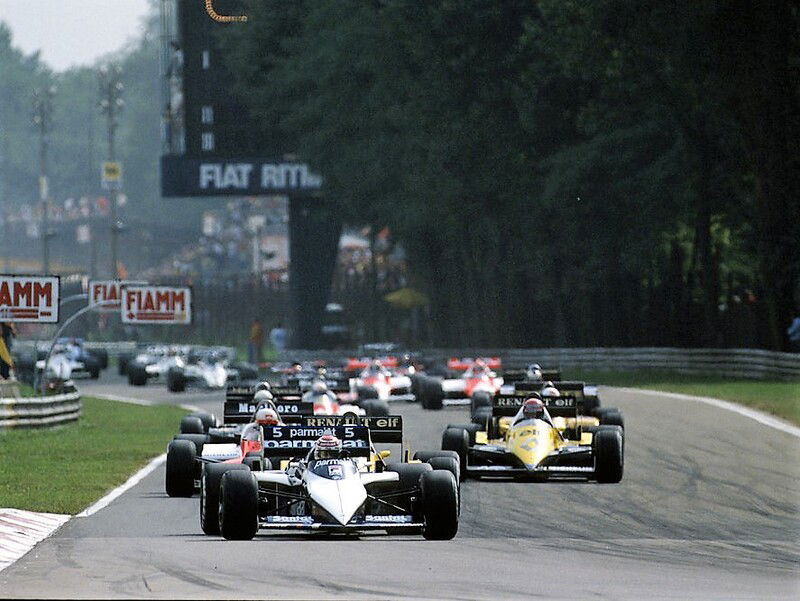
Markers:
point(297, 367)
point(319, 388)
point(534, 372)
point(327, 446)
point(266, 416)
point(322, 373)
point(533, 408)
point(263, 386)
point(263, 396)
point(548, 390)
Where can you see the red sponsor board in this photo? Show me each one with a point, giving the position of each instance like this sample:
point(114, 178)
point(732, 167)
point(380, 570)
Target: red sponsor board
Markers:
point(29, 298)
point(156, 305)
point(106, 295)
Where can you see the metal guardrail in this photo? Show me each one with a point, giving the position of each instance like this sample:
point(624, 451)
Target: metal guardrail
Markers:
point(743, 363)
point(114, 349)
point(37, 412)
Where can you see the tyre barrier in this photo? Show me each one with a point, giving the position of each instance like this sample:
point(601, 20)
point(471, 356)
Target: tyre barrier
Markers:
point(40, 412)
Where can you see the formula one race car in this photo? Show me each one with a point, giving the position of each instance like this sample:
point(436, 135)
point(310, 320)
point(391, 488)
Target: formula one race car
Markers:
point(538, 439)
point(69, 359)
point(336, 481)
point(379, 379)
point(180, 367)
point(466, 378)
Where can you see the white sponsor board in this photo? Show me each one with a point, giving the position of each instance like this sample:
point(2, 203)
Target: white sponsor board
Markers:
point(103, 292)
point(28, 298)
point(156, 305)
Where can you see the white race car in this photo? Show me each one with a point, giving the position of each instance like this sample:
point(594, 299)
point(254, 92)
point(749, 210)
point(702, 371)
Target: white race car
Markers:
point(351, 490)
point(379, 380)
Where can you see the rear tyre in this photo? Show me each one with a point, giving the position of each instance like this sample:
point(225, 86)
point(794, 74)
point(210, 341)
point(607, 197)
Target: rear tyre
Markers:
point(366, 392)
point(409, 473)
point(607, 448)
point(191, 424)
point(181, 467)
point(176, 380)
point(451, 464)
point(480, 398)
point(471, 429)
point(102, 357)
point(457, 439)
point(137, 374)
point(416, 381)
point(591, 404)
point(238, 507)
point(209, 493)
point(482, 416)
point(198, 439)
point(433, 394)
point(122, 363)
point(439, 505)
point(610, 416)
point(209, 420)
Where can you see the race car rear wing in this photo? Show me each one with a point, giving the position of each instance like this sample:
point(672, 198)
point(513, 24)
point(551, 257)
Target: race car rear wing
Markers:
point(463, 364)
point(297, 440)
point(239, 406)
point(388, 429)
point(507, 405)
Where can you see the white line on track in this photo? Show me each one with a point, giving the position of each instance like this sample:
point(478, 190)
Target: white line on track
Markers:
point(759, 416)
point(131, 482)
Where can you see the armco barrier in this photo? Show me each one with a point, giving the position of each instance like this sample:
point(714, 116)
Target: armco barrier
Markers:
point(37, 412)
point(744, 363)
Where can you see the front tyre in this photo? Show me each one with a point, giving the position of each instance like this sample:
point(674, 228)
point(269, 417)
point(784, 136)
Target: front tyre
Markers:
point(181, 458)
point(607, 448)
point(209, 493)
point(238, 505)
point(439, 505)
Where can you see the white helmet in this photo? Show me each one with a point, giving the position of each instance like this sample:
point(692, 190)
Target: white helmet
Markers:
point(263, 396)
point(266, 416)
point(534, 372)
point(263, 386)
point(548, 390)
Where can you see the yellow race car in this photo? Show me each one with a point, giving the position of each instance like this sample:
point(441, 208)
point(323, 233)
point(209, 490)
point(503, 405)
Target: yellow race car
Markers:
point(528, 436)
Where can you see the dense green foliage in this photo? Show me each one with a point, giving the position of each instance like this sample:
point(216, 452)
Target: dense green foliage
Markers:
point(66, 468)
point(610, 172)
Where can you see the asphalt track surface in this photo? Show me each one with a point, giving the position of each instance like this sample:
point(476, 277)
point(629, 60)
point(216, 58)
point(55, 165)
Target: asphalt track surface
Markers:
point(709, 508)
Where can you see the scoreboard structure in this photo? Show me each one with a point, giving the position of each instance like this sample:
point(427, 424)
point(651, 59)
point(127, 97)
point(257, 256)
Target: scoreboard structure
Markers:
point(211, 147)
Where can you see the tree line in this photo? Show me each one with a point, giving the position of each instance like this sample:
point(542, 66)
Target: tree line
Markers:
point(611, 172)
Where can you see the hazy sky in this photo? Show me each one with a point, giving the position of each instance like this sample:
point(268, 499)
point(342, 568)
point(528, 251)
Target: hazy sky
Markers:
point(72, 32)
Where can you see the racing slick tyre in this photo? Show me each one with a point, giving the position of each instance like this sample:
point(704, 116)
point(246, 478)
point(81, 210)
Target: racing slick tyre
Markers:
point(122, 363)
point(247, 371)
point(432, 394)
point(137, 374)
point(409, 473)
point(416, 385)
point(210, 480)
point(607, 448)
point(591, 404)
point(92, 366)
point(191, 424)
point(209, 420)
point(181, 458)
point(366, 392)
point(610, 416)
point(439, 505)
point(457, 439)
point(198, 439)
point(176, 380)
point(101, 355)
point(238, 508)
point(377, 409)
point(480, 398)
point(482, 416)
point(451, 464)
point(471, 429)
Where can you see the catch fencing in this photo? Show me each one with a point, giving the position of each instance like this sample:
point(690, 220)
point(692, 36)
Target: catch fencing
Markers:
point(37, 412)
point(743, 363)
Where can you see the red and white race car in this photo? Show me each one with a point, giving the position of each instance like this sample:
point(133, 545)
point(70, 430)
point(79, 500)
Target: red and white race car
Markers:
point(466, 378)
point(379, 379)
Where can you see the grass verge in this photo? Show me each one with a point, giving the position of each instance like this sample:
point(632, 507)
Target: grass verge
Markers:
point(66, 468)
point(778, 397)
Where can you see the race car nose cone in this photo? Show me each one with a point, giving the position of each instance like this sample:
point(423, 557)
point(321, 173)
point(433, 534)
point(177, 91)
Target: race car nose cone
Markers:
point(340, 498)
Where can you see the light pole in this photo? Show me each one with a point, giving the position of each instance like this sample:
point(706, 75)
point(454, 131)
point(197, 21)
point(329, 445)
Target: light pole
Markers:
point(111, 104)
point(43, 120)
